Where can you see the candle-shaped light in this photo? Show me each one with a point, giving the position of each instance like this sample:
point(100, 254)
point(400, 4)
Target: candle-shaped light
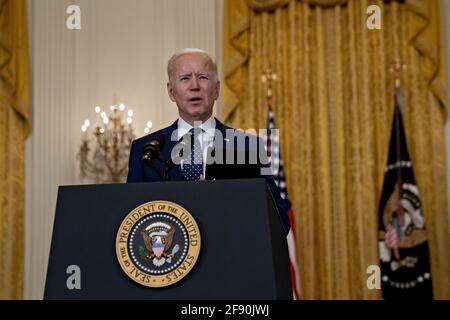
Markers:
point(148, 127)
point(84, 131)
point(97, 115)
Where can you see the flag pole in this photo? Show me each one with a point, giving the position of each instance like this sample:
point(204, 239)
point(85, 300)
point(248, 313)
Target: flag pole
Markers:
point(269, 77)
point(396, 69)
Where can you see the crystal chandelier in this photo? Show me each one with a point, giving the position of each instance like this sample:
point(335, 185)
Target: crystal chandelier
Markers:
point(104, 154)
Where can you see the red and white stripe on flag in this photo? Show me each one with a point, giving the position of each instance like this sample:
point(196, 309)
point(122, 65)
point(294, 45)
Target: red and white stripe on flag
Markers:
point(272, 144)
point(295, 274)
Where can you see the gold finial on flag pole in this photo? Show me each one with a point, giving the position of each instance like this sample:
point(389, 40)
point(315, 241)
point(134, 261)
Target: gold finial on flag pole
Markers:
point(396, 68)
point(268, 77)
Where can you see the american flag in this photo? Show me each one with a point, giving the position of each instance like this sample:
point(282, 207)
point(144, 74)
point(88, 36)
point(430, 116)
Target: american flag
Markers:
point(272, 143)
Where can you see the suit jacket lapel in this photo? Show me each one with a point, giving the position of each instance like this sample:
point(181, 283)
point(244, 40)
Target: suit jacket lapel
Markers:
point(223, 130)
point(220, 142)
point(175, 173)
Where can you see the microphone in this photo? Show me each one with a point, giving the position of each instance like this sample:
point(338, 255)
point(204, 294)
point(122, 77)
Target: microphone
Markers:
point(153, 148)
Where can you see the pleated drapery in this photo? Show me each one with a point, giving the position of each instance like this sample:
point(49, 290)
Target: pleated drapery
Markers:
point(333, 102)
point(14, 127)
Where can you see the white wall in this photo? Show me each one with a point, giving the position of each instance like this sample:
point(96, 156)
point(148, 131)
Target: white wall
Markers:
point(51, 145)
point(120, 52)
point(123, 47)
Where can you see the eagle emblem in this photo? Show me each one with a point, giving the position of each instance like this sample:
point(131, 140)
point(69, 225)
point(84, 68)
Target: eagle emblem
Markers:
point(403, 219)
point(158, 238)
point(158, 243)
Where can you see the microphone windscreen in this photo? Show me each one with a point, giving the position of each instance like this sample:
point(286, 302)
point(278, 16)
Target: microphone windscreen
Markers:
point(152, 149)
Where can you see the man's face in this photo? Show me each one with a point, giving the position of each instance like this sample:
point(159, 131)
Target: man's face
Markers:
point(193, 87)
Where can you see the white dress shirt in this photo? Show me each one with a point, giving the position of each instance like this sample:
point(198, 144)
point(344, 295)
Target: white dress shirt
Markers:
point(206, 137)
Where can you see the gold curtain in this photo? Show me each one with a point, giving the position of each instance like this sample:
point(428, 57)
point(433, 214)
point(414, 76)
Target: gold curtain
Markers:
point(14, 126)
point(333, 102)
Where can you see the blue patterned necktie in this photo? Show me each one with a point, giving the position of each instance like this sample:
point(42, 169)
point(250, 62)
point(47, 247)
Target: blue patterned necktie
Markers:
point(192, 167)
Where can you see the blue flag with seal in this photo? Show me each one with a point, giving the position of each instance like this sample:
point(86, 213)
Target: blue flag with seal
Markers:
point(403, 245)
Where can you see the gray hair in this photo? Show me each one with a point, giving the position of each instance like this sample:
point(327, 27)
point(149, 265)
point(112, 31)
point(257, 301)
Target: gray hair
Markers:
point(171, 63)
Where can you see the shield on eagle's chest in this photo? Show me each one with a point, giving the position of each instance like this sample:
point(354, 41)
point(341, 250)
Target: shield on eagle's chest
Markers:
point(158, 249)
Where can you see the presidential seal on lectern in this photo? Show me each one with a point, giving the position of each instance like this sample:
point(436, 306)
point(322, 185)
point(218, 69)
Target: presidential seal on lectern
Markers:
point(158, 243)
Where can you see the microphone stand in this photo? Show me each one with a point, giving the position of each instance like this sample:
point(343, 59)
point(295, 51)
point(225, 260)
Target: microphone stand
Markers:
point(149, 163)
point(168, 165)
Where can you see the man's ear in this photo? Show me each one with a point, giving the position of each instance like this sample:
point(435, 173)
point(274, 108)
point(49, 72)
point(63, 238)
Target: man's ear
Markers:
point(170, 91)
point(217, 89)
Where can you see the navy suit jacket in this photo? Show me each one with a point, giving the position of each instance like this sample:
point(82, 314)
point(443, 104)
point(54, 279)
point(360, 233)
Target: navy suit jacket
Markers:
point(139, 172)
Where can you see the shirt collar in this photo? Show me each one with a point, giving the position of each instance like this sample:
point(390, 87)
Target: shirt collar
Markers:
point(208, 126)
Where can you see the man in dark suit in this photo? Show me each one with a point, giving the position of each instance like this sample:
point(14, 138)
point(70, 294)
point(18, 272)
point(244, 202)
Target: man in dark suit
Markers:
point(198, 146)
